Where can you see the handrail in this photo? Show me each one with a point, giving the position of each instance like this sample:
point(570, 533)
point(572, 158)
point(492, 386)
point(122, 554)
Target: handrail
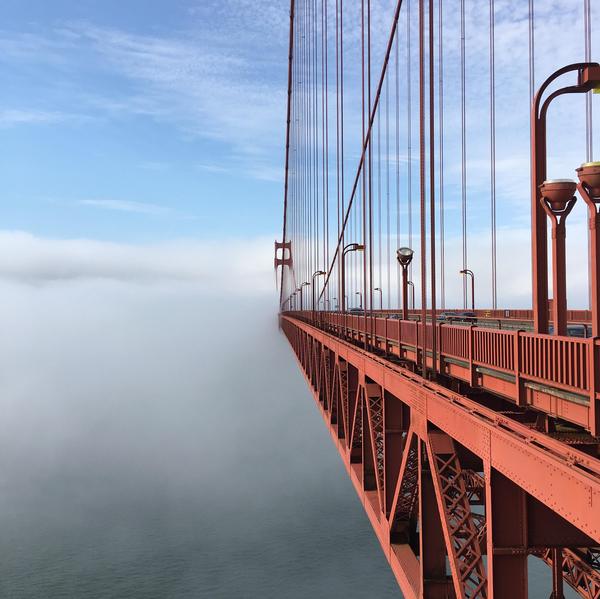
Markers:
point(567, 364)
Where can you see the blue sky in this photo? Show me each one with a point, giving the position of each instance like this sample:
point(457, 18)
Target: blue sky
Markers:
point(146, 122)
point(143, 120)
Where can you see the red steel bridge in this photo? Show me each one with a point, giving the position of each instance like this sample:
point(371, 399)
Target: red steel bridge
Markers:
point(421, 135)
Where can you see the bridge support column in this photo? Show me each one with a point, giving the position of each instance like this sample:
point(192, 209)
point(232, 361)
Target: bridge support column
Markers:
point(508, 563)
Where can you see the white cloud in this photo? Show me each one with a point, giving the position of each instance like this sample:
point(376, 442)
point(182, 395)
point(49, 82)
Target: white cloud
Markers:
point(9, 118)
point(236, 266)
point(126, 206)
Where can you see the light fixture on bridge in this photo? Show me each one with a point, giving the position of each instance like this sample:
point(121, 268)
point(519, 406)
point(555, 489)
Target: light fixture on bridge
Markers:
point(318, 273)
point(405, 256)
point(351, 247)
point(558, 194)
point(558, 199)
point(589, 189)
point(589, 176)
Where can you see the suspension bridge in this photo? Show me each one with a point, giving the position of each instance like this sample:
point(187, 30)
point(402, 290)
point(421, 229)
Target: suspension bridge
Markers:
point(434, 151)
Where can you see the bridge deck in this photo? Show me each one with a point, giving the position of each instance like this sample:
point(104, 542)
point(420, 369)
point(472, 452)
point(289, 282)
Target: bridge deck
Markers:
point(444, 478)
point(554, 375)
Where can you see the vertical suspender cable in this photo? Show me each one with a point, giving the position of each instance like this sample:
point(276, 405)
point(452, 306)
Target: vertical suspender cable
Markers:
point(589, 145)
point(398, 161)
point(369, 287)
point(587, 20)
point(326, 93)
point(387, 190)
point(324, 176)
point(337, 136)
point(432, 191)
point(532, 166)
point(463, 122)
point(379, 202)
point(422, 211)
point(365, 169)
point(287, 140)
point(441, 150)
point(409, 129)
point(493, 152)
point(366, 140)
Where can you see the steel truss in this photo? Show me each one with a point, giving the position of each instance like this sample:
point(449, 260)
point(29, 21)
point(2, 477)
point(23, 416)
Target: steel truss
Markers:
point(457, 495)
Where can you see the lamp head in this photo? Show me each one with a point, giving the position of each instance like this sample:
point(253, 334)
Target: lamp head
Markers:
point(558, 193)
point(404, 256)
point(589, 175)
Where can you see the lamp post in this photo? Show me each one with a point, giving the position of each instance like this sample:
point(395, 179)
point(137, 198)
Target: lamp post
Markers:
point(360, 299)
point(558, 199)
point(465, 272)
point(380, 297)
point(589, 189)
point(318, 273)
point(305, 284)
point(351, 247)
point(404, 256)
point(412, 293)
point(588, 79)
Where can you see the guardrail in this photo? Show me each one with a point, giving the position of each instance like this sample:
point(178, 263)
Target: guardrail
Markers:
point(566, 367)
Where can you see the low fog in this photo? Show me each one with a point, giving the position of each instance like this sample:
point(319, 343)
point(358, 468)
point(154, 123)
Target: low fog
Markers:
point(158, 440)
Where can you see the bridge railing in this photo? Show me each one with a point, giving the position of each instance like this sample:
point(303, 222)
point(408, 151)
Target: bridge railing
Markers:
point(562, 364)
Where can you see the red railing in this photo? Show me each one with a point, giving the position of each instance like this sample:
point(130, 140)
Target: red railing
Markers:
point(494, 348)
point(560, 360)
point(562, 363)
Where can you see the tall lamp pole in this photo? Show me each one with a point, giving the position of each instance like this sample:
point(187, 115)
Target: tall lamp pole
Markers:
point(360, 305)
point(404, 256)
point(351, 247)
point(589, 189)
point(305, 284)
point(412, 293)
point(469, 272)
point(588, 79)
point(318, 273)
point(380, 297)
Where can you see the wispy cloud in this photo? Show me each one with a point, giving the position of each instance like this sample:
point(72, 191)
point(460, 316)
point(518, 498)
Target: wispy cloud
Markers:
point(9, 118)
point(126, 206)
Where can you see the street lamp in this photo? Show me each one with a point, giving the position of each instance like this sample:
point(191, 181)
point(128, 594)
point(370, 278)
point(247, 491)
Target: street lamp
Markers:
point(469, 272)
point(412, 293)
point(588, 79)
point(305, 284)
point(360, 299)
point(318, 273)
point(351, 247)
point(589, 189)
point(404, 256)
point(380, 297)
point(558, 199)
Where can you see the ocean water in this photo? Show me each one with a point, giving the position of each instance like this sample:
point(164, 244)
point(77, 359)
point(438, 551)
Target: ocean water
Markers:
point(158, 443)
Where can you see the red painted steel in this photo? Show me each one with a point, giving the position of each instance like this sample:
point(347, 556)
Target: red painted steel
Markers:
point(473, 441)
point(555, 375)
point(437, 471)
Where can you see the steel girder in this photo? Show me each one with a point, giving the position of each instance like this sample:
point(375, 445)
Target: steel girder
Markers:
point(446, 482)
